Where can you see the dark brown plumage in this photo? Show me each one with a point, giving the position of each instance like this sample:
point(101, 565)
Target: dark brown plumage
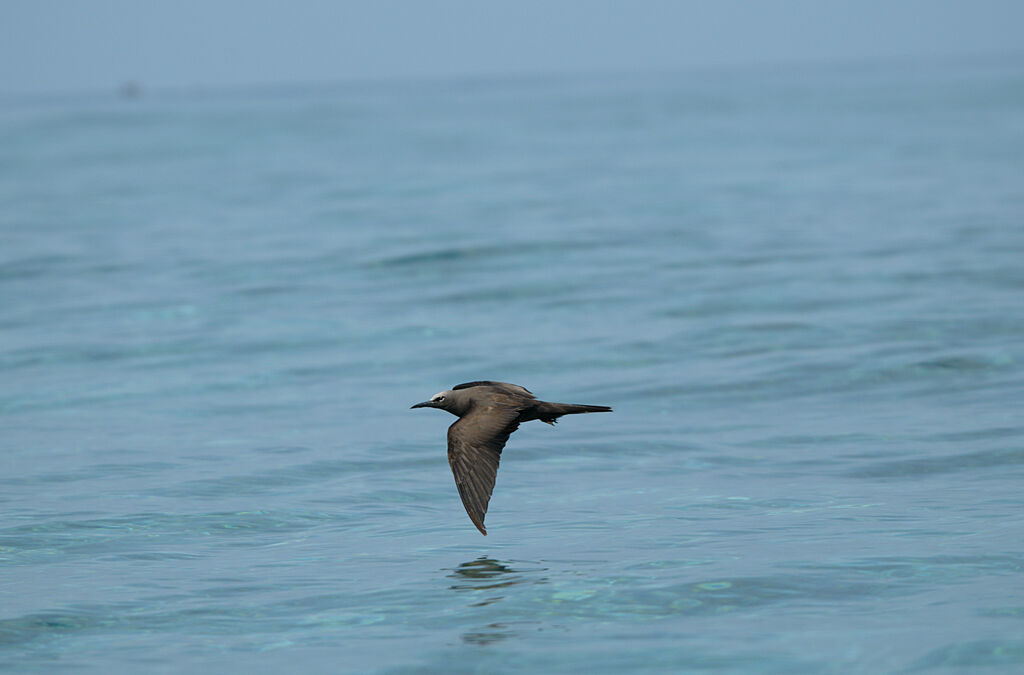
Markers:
point(488, 413)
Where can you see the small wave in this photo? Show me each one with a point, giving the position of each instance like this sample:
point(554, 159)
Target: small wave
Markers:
point(927, 466)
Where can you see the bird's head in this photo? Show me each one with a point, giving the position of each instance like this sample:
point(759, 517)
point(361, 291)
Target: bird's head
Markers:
point(452, 401)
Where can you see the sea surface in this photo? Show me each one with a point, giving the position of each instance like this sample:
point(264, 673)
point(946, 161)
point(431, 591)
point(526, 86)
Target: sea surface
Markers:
point(801, 289)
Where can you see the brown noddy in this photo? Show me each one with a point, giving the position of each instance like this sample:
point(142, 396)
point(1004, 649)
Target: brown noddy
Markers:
point(488, 413)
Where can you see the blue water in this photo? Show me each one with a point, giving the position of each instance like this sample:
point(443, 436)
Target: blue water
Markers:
point(801, 290)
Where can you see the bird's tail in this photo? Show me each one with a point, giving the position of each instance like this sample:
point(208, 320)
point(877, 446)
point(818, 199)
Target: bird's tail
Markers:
point(549, 412)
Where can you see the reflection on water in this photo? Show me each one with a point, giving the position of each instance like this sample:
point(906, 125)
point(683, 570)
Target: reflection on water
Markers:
point(481, 579)
point(492, 632)
point(486, 572)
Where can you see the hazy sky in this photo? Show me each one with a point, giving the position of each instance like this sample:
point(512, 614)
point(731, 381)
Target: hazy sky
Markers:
point(58, 45)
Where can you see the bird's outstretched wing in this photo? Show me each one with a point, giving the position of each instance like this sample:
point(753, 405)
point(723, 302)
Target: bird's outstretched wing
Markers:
point(474, 449)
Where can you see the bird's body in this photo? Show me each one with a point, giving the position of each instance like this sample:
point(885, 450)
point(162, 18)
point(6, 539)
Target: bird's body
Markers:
point(488, 413)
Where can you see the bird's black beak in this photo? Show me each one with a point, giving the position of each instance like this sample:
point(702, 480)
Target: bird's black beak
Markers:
point(425, 404)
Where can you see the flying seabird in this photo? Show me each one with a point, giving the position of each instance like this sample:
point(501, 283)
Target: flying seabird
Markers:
point(488, 413)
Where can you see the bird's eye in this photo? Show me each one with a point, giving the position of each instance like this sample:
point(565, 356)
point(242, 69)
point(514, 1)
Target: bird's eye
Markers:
point(439, 399)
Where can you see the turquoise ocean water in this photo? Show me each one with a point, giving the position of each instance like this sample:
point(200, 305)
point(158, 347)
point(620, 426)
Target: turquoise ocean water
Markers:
point(801, 290)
